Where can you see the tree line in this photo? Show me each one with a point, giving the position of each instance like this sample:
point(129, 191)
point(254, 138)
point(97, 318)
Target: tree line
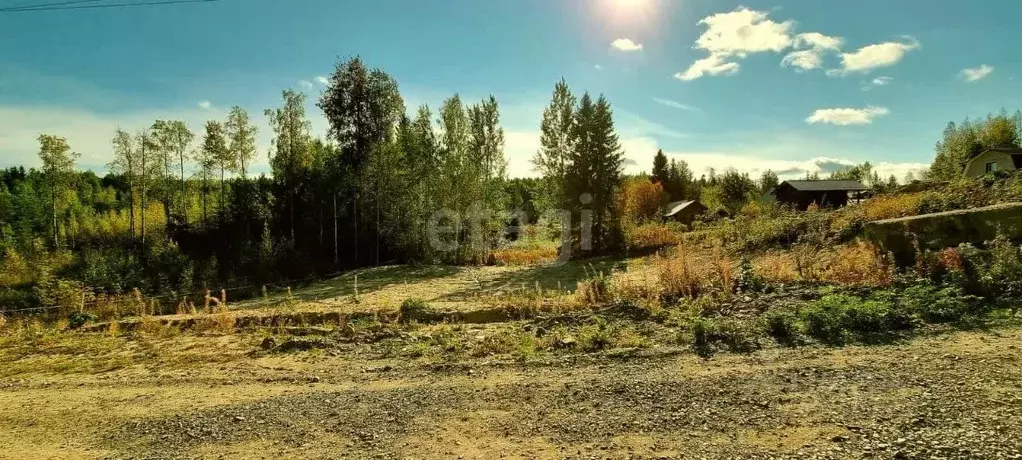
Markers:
point(178, 210)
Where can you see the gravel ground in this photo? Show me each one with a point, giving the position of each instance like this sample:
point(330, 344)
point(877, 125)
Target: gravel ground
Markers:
point(954, 396)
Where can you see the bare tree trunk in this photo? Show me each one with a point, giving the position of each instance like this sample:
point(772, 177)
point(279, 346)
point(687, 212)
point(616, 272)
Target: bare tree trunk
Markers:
point(131, 202)
point(143, 188)
point(377, 222)
point(292, 214)
point(53, 208)
point(184, 185)
point(355, 213)
point(221, 194)
point(205, 207)
point(336, 255)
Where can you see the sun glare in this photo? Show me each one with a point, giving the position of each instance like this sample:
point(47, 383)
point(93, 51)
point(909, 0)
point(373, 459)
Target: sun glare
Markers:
point(629, 11)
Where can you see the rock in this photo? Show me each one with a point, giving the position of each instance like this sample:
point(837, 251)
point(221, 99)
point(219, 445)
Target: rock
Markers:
point(269, 343)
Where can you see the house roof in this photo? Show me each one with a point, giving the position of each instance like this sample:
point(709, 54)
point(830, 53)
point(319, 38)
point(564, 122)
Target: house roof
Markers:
point(825, 185)
point(1016, 155)
point(678, 206)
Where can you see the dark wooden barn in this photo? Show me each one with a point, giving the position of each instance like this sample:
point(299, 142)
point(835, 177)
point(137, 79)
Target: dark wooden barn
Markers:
point(684, 211)
point(825, 193)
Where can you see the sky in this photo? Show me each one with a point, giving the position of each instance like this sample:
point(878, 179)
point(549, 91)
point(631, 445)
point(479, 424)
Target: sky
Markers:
point(793, 86)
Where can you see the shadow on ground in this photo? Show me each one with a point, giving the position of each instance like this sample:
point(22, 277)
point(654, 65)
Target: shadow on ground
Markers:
point(549, 277)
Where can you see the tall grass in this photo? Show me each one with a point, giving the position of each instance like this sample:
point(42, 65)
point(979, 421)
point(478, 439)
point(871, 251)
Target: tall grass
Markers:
point(676, 274)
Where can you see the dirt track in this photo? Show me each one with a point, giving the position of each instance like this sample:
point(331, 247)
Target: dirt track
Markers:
point(954, 396)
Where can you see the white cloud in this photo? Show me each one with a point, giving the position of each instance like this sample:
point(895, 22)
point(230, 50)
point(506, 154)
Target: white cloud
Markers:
point(735, 35)
point(846, 116)
point(322, 80)
point(878, 81)
point(743, 31)
point(712, 65)
point(812, 47)
point(976, 73)
point(306, 84)
point(868, 58)
point(626, 45)
point(674, 104)
point(205, 105)
point(598, 67)
point(818, 41)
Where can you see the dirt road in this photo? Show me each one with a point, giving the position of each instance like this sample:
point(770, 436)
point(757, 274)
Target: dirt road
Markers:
point(952, 396)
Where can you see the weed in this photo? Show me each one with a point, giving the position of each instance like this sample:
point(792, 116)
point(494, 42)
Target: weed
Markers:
point(782, 325)
point(652, 235)
point(221, 323)
point(834, 316)
point(859, 264)
point(149, 325)
point(414, 309)
point(676, 275)
point(518, 256)
point(596, 336)
point(735, 335)
point(595, 290)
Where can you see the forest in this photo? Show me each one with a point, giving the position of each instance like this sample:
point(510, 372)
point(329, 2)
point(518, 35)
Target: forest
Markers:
point(179, 213)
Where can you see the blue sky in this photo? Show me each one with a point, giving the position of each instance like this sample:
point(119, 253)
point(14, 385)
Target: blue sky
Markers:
point(790, 85)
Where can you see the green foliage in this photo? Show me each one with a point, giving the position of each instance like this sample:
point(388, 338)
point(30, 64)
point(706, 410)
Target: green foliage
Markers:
point(1004, 276)
point(834, 316)
point(783, 325)
point(413, 309)
point(733, 334)
point(935, 304)
point(961, 142)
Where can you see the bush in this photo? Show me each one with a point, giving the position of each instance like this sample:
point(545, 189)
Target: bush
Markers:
point(734, 335)
point(824, 321)
point(782, 325)
point(1004, 275)
point(940, 305)
point(831, 318)
point(413, 309)
point(594, 291)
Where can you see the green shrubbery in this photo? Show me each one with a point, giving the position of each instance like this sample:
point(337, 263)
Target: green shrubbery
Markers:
point(413, 309)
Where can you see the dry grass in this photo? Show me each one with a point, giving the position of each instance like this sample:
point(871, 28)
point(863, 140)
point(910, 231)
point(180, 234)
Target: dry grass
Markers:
point(777, 266)
point(723, 269)
point(652, 235)
point(524, 256)
point(891, 206)
point(677, 275)
point(854, 264)
point(221, 323)
point(858, 264)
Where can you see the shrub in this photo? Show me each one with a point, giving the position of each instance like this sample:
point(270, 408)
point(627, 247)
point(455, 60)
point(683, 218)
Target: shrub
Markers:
point(891, 206)
point(413, 309)
point(1005, 273)
point(823, 321)
point(595, 290)
point(734, 335)
point(832, 317)
point(782, 325)
point(940, 305)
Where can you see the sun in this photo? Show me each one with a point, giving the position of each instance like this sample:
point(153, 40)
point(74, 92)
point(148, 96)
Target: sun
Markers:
point(628, 10)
